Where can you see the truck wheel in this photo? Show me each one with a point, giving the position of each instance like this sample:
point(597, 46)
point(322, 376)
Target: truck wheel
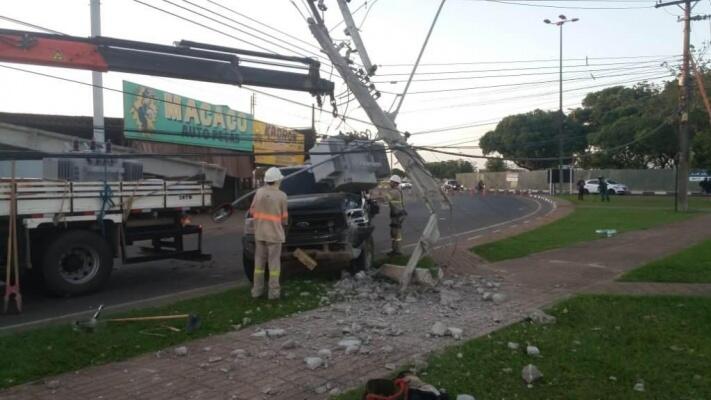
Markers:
point(366, 259)
point(248, 265)
point(77, 262)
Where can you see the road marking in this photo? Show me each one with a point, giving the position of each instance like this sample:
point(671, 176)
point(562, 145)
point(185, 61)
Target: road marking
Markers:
point(475, 237)
point(483, 228)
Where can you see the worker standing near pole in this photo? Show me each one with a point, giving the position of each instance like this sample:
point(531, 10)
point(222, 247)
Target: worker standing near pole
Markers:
point(396, 202)
point(269, 211)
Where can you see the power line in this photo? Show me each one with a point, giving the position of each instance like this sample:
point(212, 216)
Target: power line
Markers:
point(454, 78)
point(17, 21)
point(586, 65)
point(638, 79)
point(532, 60)
point(515, 3)
point(459, 89)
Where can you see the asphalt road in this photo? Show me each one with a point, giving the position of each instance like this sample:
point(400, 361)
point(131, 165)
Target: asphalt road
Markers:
point(162, 281)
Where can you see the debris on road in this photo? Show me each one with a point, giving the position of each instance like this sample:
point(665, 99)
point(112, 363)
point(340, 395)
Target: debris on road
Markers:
point(181, 351)
point(541, 318)
point(313, 362)
point(531, 374)
point(438, 329)
point(639, 386)
point(533, 351)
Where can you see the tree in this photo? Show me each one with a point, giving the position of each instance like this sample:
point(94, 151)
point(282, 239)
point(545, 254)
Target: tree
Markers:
point(525, 137)
point(495, 165)
point(630, 127)
point(449, 169)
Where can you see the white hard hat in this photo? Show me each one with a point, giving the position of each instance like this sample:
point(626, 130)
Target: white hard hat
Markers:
point(273, 174)
point(396, 179)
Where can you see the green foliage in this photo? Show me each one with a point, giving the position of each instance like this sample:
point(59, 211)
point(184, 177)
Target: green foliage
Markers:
point(578, 227)
point(56, 349)
point(617, 127)
point(534, 135)
point(633, 127)
point(449, 169)
point(599, 348)
point(692, 265)
point(495, 165)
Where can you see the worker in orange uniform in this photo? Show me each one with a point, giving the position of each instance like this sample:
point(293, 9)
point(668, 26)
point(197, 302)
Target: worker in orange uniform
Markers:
point(396, 202)
point(269, 211)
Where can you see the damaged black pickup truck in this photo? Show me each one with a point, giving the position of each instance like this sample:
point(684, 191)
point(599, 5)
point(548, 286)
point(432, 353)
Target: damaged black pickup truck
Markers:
point(333, 227)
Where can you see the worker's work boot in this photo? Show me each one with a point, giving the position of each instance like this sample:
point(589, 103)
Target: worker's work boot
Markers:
point(274, 287)
point(274, 294)
point(258, 284)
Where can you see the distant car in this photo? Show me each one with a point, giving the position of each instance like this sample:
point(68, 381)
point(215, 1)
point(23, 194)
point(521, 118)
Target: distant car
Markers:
point(406, 185)
point(452, 185)
point(592, 186)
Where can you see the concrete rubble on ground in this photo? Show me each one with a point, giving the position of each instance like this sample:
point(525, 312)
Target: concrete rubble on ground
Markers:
point(540, 317)
point(531, 374)
point(363, 317)
point(533, 351)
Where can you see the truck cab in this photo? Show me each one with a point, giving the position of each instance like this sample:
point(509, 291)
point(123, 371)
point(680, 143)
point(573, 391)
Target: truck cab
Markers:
point(333, 227)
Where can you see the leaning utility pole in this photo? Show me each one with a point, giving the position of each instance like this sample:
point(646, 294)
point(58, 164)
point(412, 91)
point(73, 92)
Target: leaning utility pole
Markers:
point(412, 163)
point(682, 169)
point(97, 79)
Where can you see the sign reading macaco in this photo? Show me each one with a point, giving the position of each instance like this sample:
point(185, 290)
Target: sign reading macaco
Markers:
point(155, 115)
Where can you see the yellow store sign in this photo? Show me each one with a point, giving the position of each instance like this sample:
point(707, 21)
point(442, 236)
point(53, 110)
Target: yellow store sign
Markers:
point(274, 145)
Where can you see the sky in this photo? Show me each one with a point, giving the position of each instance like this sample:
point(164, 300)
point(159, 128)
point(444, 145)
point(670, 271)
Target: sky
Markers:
point(485, 59)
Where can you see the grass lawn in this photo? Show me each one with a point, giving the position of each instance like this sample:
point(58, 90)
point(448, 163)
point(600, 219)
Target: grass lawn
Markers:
point(577, 227)
point(692, 265)
point(600, 348)
point(667, 202)
point(52, 350)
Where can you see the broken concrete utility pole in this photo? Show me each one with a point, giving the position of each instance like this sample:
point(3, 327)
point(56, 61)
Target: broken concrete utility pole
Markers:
point(423, 182)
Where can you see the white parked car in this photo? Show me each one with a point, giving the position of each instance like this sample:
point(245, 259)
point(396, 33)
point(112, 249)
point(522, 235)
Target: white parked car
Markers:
point(405, 185)
point(592, 186)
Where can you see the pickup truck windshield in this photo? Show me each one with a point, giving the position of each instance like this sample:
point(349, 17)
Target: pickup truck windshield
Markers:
point(303, 183)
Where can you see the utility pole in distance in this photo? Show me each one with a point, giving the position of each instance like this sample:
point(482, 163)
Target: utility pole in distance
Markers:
point(682, 168)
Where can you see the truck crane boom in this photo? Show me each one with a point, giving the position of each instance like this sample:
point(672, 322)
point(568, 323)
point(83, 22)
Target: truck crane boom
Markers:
point(186, 60)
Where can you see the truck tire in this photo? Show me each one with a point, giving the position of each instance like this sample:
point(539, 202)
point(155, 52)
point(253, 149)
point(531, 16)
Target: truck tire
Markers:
point(77, 262)
point(248, 265)
point(366, 259)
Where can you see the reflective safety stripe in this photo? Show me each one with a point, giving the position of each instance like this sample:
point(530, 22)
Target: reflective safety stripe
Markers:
point(259, 270)
point(274, 274)
point(396, 201)
point(266, 217)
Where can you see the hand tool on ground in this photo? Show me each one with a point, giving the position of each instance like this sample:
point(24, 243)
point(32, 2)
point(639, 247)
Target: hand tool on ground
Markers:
point(192, 320)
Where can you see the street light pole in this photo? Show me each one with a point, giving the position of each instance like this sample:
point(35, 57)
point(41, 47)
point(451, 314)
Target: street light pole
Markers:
point(561, 21)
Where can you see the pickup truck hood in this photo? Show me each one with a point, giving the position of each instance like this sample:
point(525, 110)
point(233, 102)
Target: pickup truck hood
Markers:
point(317, 203)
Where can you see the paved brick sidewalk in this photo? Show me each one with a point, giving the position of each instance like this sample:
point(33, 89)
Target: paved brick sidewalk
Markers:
point(211, 372)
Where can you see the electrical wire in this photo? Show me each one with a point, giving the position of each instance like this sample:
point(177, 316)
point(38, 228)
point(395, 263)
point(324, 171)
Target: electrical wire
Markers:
point(523, 71)
point(586, 59)
point(17, 21)
point(515, 3)
point(459, 89)
point(455, 78)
